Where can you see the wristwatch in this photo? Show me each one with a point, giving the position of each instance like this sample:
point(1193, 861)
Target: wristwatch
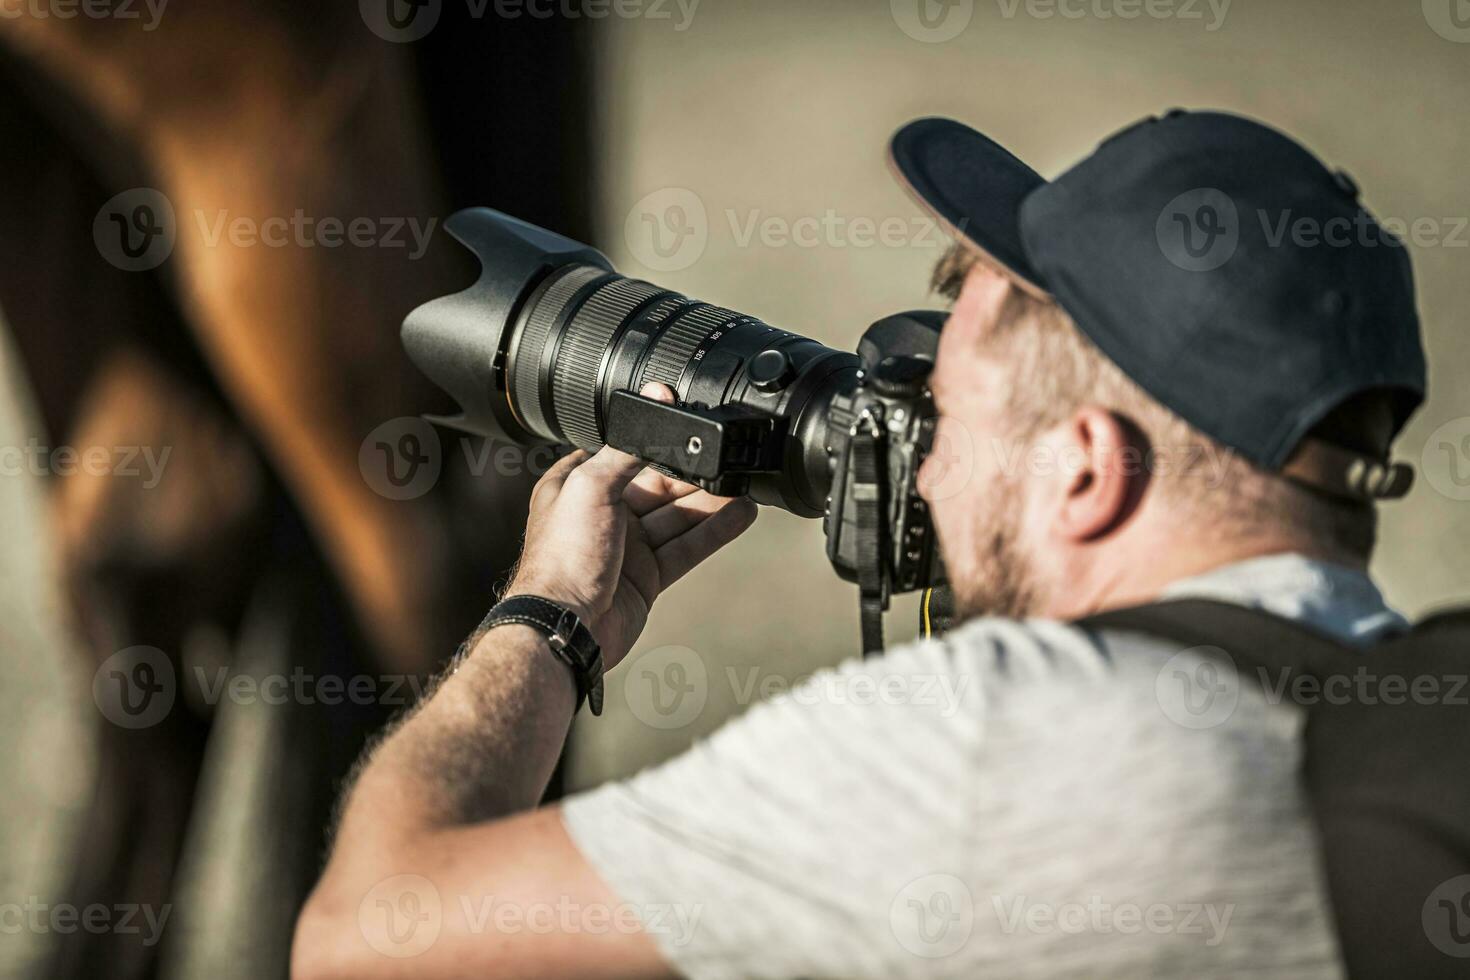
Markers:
point(571, 642)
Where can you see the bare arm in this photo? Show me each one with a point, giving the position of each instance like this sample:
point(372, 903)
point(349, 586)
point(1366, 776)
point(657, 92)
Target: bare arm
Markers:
point(441, 867)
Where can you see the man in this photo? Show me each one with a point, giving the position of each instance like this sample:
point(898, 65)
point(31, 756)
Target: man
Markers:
point(1135, 417)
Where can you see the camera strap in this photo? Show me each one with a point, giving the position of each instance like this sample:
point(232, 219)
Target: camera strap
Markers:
point(870, 498)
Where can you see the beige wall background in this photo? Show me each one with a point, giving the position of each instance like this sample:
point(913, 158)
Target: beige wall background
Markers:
point(781, 110)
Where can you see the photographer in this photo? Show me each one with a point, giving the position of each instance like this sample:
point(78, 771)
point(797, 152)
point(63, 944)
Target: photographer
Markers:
point(1066, 817)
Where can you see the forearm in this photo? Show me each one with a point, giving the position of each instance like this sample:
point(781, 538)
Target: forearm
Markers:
point(436, 813)
point(482, 746)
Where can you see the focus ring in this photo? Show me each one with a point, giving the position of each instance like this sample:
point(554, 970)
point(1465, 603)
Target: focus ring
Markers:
point(579, 361)
point(676, 345)
point(526, 367)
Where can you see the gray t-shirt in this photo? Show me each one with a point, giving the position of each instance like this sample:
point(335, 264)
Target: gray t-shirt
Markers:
point(1015, 800)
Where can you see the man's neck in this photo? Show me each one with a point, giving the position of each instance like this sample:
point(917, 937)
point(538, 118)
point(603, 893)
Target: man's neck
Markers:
point(1114, 580)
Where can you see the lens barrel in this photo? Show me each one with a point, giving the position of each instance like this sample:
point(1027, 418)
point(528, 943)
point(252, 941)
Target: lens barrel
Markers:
point(585, 333)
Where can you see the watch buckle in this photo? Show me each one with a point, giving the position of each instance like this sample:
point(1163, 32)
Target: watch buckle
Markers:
point(561, 634)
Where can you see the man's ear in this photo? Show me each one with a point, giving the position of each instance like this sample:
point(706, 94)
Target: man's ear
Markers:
point(1102, 471)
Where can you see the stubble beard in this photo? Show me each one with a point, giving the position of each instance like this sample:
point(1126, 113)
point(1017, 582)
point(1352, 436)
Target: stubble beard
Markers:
point(1003, 582)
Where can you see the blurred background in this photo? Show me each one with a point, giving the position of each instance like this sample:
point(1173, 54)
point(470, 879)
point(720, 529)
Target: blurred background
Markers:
point(233, 550)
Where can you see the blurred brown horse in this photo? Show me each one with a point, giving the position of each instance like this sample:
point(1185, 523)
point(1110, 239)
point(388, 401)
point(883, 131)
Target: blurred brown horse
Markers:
point(260, 370)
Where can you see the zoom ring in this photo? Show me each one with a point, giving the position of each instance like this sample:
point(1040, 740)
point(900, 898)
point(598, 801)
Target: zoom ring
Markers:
point(579, 361)
point(526, 371)
point(676, 345)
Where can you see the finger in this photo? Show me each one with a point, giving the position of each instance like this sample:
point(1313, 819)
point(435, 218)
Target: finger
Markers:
point(680, 515)
point(607, 474)
point(678, 556)
point(651, 490)
point(658, 392)
point(555, 476)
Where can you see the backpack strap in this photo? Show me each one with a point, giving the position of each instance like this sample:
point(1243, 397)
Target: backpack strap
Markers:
point(1254, 638)
point(1386, 768)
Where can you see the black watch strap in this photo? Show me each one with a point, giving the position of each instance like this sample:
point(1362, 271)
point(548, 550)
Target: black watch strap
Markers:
point(571, 642)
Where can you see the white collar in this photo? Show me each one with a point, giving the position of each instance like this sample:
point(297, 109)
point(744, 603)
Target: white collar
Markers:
point(1338, 600)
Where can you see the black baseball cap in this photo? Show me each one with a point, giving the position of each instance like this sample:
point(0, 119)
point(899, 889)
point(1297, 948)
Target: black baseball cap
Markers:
point(1217, 262)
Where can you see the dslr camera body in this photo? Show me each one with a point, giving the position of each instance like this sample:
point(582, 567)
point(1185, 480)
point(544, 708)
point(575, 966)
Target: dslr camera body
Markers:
point(550, 345)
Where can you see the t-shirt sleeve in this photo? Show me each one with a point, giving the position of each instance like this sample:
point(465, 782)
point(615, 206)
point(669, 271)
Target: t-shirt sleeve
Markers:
point(781, 845)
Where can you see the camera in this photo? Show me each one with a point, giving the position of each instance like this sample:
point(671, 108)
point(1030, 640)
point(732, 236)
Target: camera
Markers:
point(551, 345)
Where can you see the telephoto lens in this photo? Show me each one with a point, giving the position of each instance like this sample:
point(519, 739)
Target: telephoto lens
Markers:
point(536, 349)
point(550, 343)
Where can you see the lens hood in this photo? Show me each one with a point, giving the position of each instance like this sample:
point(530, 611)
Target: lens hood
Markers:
point(456, 340)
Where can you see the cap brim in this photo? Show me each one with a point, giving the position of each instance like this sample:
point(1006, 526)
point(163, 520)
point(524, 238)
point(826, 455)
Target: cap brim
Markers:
point(973, 186)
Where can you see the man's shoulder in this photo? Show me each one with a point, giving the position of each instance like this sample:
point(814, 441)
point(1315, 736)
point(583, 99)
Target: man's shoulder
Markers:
point(987, 674)
point(1039, 678)
point(1019, 653)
